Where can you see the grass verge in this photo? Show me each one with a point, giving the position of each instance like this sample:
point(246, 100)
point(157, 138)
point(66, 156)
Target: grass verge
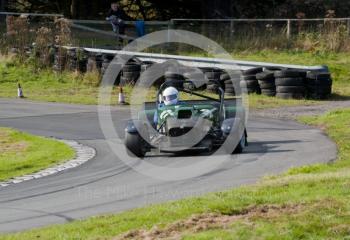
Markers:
point(22, 153)
point(311, 204)
point(68, 87)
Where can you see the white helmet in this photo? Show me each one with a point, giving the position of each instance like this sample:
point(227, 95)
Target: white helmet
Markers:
point(170, 96)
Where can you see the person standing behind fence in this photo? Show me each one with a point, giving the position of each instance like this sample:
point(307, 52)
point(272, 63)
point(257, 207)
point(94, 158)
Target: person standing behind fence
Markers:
point(117, 16)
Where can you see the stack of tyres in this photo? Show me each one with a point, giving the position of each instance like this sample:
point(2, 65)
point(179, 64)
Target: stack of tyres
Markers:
point(173, 77)
point(82, 56)
point(94, 63)
point(151, 74)
point(60, 60)
point(319, 85)
point(72, 59)
point(266, 82)
point(290, 84)
point(231, 83)
point(106, 60)
point(198, 79)
point(249, 82)
point(99, 60)
point(130, 74)
point(213, 77)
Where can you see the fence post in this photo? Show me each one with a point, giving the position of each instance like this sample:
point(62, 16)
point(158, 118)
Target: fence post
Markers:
point(288, 28)
point(170, 26)
point(348, 26)
point(232, 28)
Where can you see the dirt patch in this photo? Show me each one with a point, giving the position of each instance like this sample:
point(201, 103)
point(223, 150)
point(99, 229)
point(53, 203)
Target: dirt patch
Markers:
point(7, 145)
point(203, 222)
point(298, 111)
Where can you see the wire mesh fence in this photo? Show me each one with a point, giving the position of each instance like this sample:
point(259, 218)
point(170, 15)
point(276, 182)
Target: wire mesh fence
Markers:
point(234, 34)
point(240, 34)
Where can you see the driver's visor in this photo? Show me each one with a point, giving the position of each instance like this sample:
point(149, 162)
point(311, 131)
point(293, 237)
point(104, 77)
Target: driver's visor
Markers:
point(170, 97)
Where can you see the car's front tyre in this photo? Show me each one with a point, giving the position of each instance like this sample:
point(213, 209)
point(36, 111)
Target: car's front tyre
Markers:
point(135, 145)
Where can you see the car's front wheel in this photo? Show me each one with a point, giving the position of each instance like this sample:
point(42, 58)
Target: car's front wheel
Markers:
point(135, 145)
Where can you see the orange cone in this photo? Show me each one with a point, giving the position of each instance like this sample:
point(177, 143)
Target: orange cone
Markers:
point(121, 97)
point(20, 91)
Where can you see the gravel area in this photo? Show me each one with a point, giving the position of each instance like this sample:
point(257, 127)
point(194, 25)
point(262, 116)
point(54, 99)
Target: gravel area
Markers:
point(297, 111)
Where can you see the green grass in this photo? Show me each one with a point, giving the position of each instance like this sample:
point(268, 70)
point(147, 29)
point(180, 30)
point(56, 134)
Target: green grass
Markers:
point(320, 194)
point(45, 85)
point(22, 153)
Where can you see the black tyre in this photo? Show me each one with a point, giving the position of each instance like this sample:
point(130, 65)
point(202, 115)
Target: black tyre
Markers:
point(290, 95)
point(319, 89)
point(228, 85)
point(132, 67)
point(318, 75)
point(319, 96)
point(290, 89)
point(131, 75)
point(267, 75)
point(253, 71)
point(321, 81)
point(194, 76)
point(289, 81)
point(287, 74)
point(135, 145)
point(230, 94)
point(213, 75)
point(225, 76)
point(253, 90)
point(267, 84)
point(302, 73)
point(176, 83)
point(229, 90)
point(274, 69)
point(248, 77)
point(268, 92)
point(249, 84)
point(173, 75)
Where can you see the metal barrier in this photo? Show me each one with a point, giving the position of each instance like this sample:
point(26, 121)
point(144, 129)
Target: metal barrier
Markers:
point(205, 62)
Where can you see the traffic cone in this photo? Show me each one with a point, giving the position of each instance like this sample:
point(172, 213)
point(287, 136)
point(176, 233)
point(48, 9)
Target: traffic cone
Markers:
point(20, 91)
point(121, 97)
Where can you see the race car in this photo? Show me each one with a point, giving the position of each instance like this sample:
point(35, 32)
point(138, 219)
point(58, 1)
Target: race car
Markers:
point(204, 124)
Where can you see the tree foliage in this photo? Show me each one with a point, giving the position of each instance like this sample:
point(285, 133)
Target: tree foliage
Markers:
point(164, 10)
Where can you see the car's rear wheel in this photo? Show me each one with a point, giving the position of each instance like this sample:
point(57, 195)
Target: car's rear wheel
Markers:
point(135, 145)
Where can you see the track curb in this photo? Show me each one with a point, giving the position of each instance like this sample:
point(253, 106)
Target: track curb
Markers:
point(83, 154)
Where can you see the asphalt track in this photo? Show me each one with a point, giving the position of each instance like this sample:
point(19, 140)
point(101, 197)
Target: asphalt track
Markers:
point(106, 185)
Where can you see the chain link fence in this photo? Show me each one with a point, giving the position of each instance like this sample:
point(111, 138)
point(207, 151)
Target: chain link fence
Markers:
point(242, 34)
point(330, 34)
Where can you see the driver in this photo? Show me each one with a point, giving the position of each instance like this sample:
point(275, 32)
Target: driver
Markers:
point(170, 96)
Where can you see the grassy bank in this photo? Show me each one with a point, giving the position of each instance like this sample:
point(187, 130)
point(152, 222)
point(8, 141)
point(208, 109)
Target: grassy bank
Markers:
point(22, 153)
point(45, 85)
point(312, 204)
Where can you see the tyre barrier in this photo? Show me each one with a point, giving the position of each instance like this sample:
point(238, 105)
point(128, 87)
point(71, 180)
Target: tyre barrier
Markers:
point(231, 81)
point(319, 85)
point(270, 81)
point(290, 84)
point(212, 76)
point(173, 77)
point(130, 73)
point(249, 80)
point(72, 60)
point(59, 60)
point(266, 80)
